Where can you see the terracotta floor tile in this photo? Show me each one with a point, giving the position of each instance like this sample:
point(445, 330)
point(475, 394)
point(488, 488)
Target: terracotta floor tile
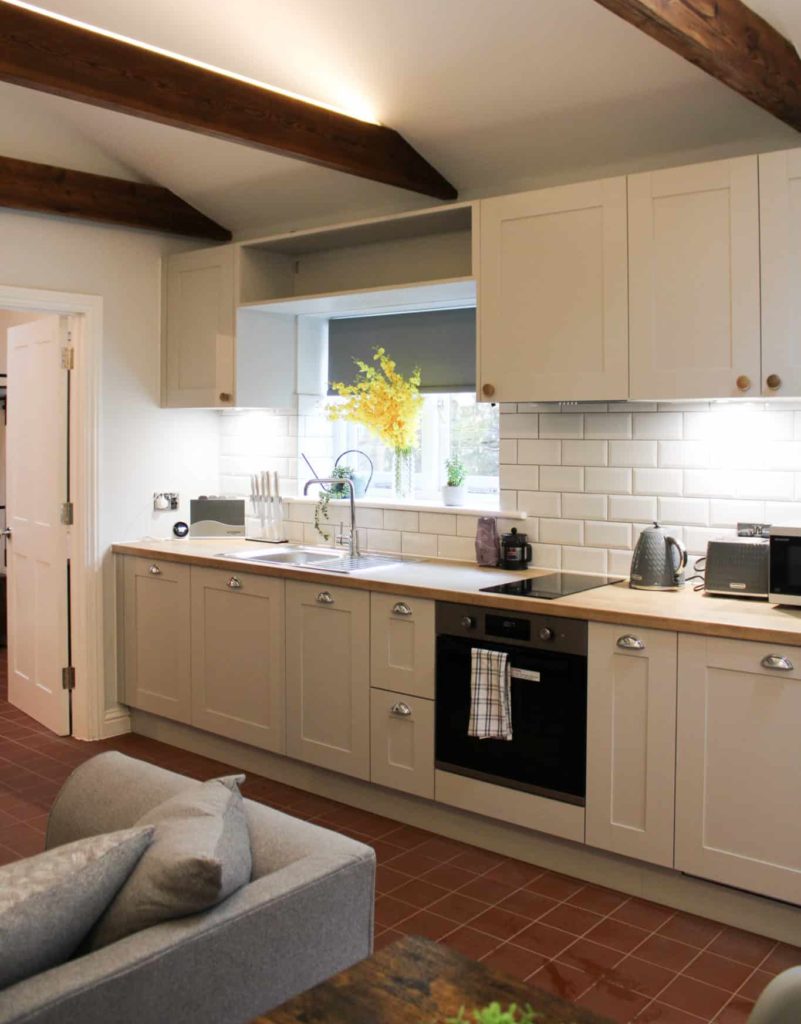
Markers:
point(718, 970)
point(384, 851)
point(695, 997)
point(387, 879)
point(643, 914)
point(563, 981)
point(427, 924)
point(742, 946)
point(618, 1004)
point(694, 931)
point(592, 957)
point(617, 934)
point(570, 919)
point(665, 952)
point(419, 892)
point(661, 1013)
point(389, 911)
point(503, 924)
point(514, 960)
point(755, 985)
point(386, 938)
point(782, 957)
point(412, 863)
point(407, 837)
point(598, 900)
point(543, 939)
point(478, 861)
point(640, 976)
point(470, 942)
point(736, 1011)
point(441, 849)
point(514, 872)
point(458, 908)
point(486, 889)
point(529, 904)
point(450, 877)
point(558, 887)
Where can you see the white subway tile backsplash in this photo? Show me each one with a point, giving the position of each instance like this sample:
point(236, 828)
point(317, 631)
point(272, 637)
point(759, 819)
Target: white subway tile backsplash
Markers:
point(584, 506)
point(632, 453)
point(619, 563)
point(608, 425)
point(520, 478)
point(383, 540)
point(584, 559)
point(658, 481)
point(561, 425)
point(540, 503)
point(397, 519)
point(683, 454)
point(731, 512)
point(507, 450)
point(466, 526)
point(783, 513)
point(661, 425)
point(561, 531)
point(519, 425)
point(456, 547)
point(437, 522)
point(584, 453)
point(607, 480)
point(547, 556)
point(685, 511)
point(635, 509)
point(768, 485)
point(539, 453)
point(709, 483)
point(608, 535)
point(562, 478)
point(424, 545)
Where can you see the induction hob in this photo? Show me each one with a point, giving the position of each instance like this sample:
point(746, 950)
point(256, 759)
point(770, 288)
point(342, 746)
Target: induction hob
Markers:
point(552, 586)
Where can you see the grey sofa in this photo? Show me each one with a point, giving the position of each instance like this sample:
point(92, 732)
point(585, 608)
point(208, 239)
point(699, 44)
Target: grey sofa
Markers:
point(306, 914)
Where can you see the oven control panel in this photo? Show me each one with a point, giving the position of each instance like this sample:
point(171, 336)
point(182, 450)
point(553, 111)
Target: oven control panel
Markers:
point(544, 632)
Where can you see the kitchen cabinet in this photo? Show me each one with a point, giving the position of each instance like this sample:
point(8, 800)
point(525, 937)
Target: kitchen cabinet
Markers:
point(238, 680)
point(402, 742)
point(552, 307)
point(694, 290)
point(631, 741)
point(156, 631)
point(780, 240)
point(328, 677)
point(402, 644)
point(214, 355)
point(738, 764)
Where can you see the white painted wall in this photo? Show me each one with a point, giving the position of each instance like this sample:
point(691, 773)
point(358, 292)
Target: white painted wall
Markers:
point(143, 448)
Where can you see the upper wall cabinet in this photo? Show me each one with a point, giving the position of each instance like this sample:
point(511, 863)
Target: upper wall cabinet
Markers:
point(694, 281)
point(780, 221)
point(553, 315)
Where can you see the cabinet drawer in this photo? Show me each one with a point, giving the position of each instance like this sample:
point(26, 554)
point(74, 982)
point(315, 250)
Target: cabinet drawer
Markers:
point(402, 642)
point(780, 660)
point(402, 742)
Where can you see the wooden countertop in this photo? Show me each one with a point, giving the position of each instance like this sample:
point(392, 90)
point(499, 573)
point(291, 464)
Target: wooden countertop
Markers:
point(686, 611)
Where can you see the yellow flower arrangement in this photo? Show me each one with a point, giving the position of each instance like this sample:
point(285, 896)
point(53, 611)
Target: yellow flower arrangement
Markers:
point(383, 400)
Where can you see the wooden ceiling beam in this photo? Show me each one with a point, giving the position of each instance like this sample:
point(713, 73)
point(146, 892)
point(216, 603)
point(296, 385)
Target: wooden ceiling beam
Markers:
point(43, 53)
point(728, 41)
point(44, 189)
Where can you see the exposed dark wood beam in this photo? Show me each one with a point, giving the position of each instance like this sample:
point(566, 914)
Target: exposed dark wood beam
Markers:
point(45, 189)
point(728, 41)
point(50, 55)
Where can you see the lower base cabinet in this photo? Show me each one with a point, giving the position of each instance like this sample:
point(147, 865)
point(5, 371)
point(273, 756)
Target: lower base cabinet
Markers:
point(402, 742)
point(238, 680)
point(328, 677)
point(738, 765)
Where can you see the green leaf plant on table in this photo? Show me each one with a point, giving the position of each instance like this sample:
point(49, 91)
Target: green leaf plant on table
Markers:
point(495, 1014)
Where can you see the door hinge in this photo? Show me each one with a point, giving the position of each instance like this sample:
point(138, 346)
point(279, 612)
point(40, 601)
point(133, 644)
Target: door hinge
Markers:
point(68, 357)
point(67, 514)
point(68, 677)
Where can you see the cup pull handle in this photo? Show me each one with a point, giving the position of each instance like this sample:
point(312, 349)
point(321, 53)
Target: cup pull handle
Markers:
point(401, 608)
point(234, 583)
point(630, 643)
point(324, 598)
point(401, 709)
point(154, 570)
point(777, 662)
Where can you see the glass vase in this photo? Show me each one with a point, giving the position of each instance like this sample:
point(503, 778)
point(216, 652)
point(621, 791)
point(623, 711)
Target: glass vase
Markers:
point(404, 473)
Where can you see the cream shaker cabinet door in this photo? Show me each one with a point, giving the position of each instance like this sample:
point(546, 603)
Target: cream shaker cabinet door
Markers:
point(780, 237)
point(199, 329)
point(402, 644)
point(553, 313)
point(238, 680)
point(631, 741)
point(738, 764)
point(156, 630)
point(402, 742)
point(328, 677)
point(694, 281)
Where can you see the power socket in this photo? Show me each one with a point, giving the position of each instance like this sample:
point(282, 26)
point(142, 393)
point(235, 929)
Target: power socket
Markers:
point(165, 501)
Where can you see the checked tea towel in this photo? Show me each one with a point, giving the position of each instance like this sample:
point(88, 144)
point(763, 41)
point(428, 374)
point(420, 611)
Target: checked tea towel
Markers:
point(490, 695)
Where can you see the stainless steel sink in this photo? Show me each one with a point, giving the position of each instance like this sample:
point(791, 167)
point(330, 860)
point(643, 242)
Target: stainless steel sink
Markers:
point(314, 558)
point(293, 558)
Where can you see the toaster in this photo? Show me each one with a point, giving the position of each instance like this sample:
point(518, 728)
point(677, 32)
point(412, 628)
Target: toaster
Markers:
point(738, 566)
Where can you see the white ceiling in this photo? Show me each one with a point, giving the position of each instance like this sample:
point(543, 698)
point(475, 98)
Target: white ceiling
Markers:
point(497, 94)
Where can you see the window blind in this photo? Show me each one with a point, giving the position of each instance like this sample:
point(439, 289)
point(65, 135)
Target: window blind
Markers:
point(442, 342)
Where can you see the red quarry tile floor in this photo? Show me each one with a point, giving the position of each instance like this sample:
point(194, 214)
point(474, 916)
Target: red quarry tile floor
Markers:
point(625, 958)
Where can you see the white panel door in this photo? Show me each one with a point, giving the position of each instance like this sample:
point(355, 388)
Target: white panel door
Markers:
point(780, 235)
point(738, 764)
point(553, 314)
point(37, 460)
point(631, 741)
point(694, 281)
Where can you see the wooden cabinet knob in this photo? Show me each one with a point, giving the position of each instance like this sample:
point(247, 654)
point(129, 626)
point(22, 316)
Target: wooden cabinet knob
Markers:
point(225, 396)
point(774, 381)
point(743, 383)
point(488, 390)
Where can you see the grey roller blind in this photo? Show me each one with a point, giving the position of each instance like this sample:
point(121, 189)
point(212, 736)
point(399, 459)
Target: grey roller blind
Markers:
point(442, 342)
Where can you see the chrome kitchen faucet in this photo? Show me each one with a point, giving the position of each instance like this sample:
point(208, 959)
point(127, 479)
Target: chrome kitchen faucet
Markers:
point(353, 539)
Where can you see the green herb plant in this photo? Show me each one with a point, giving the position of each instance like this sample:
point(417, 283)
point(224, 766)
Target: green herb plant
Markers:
point(321, 510)
point(495, 1014)
point(456, 473)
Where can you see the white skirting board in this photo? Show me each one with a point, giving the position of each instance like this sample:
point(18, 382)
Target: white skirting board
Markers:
point(695, 896)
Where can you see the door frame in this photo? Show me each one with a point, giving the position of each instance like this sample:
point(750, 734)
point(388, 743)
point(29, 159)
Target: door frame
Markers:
point(88, 698)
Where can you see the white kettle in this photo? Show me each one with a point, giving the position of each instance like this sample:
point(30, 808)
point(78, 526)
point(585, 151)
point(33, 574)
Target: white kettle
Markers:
point(659, 561)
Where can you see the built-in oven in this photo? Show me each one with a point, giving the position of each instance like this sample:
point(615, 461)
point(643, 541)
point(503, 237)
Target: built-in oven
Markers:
point(548, 662)
point(785, 565)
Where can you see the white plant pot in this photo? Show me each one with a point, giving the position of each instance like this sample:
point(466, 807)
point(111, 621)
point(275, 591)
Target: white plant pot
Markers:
point(454, 495)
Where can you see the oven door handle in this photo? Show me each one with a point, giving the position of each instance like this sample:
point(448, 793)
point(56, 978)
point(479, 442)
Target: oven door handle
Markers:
point(526, 674)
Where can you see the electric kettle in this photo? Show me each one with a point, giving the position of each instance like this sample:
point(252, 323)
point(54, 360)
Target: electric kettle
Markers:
point(659, 561)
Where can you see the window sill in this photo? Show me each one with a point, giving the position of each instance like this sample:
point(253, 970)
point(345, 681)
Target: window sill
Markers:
point(420, 505)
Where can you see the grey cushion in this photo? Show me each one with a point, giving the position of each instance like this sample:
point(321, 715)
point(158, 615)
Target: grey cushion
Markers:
point(200, 854)
point(48, 903)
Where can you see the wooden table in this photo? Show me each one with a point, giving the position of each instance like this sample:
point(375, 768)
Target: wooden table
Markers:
point(416, 981)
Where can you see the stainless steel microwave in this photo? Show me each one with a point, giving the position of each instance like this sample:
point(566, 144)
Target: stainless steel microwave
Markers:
point(785, 565)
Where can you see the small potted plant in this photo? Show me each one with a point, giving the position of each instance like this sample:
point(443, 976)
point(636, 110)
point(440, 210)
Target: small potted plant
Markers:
point(454, 491)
